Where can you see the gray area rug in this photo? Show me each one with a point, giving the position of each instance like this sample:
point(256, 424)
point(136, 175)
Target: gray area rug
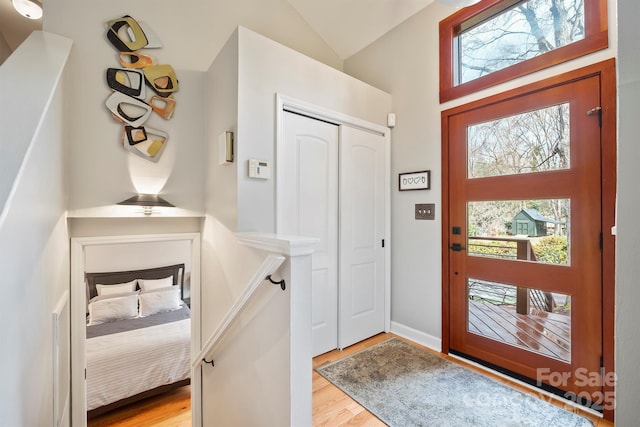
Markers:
point(406, 386)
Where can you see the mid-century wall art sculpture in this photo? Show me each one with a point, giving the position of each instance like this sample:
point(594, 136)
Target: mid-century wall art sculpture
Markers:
point(130, 102)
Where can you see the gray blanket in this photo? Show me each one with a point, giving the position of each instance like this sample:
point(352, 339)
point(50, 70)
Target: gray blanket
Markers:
point(138, 323)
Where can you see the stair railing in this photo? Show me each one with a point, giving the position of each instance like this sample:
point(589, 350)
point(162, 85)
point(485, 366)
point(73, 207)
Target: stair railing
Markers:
point(264, 272)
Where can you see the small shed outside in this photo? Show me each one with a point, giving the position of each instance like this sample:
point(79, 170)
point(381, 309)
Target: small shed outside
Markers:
point(530, 222)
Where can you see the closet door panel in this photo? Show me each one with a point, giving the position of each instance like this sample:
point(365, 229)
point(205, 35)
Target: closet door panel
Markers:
point(362, 222)
point(310, 206)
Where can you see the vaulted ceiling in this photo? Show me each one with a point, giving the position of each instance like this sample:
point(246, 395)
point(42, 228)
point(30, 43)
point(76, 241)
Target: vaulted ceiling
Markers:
point(346, 26)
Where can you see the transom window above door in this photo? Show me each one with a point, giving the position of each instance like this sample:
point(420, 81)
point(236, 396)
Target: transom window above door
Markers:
point(499, 40)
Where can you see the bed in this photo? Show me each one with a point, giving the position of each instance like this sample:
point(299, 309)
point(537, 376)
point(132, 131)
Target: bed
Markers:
point(138, 336)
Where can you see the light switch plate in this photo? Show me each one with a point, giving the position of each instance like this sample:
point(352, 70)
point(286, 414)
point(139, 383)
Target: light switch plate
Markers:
point(425, 211)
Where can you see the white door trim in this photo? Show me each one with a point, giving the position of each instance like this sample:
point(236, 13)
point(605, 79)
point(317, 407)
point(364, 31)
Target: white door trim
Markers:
point(287, 103)
point(78, 320)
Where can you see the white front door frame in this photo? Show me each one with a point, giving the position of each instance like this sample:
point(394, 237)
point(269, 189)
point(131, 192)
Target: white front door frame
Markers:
point(78, 317)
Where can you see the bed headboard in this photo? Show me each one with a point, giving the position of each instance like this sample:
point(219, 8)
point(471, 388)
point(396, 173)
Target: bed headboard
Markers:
point(115, 277)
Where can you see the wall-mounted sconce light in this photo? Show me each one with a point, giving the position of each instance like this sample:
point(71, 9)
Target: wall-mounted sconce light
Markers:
point(147, 202)
point(225, 148)
point(31, 9)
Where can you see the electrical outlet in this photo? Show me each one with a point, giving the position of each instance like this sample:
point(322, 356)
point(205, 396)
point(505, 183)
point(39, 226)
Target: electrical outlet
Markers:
point(425, 211)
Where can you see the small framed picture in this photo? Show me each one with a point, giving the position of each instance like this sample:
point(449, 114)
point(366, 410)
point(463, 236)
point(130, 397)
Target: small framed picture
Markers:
point(414, 181)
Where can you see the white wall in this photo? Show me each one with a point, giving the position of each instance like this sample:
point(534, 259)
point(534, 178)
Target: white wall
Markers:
point(34, 244)
point(267, 68)
point(628, 238)
point(101, 172)
point(91, 227)
point(222, 270)
point(135, 256)
point(5, 50)
point(242, 85)
point(26, 91)
point(226, 270)
point(222, 115)
point(192, 34)
point(405, 63)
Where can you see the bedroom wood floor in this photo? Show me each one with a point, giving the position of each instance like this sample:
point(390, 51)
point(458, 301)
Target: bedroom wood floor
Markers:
point(172, 409)
point(331, 407)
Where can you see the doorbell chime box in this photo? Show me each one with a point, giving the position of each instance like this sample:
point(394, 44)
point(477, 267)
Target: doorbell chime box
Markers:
point(259, 169)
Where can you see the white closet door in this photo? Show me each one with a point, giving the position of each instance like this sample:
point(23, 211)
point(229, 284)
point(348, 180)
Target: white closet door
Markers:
point(309, 207)
point(362, 222)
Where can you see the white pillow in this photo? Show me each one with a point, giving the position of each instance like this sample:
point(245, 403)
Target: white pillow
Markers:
point(150, 284)
point(121, 288)
point(159, 301)
point(108, 308)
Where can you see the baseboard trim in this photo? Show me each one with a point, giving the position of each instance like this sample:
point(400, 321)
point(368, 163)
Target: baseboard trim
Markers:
point(422, 338)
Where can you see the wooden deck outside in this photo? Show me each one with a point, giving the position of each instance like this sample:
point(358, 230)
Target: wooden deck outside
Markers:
point(540, 331)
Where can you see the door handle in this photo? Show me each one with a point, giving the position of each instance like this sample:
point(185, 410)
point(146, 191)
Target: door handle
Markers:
point(457, 247)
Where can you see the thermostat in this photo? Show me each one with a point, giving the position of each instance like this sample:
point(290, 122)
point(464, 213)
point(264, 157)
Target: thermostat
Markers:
point(259, 169)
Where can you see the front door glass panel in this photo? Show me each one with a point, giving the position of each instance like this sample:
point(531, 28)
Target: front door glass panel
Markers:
point(525, 230)
point(535, 141)
point(530, 319)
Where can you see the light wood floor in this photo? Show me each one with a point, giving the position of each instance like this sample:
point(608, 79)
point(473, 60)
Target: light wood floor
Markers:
point(331, 407)
point(172, 409)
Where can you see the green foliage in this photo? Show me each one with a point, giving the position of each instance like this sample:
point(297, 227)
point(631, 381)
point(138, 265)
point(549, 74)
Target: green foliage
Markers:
point(551, 249)
point(492, 248)
point(548, 249)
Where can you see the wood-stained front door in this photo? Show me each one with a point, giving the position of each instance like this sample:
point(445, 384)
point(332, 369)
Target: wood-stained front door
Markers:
point(524, 263)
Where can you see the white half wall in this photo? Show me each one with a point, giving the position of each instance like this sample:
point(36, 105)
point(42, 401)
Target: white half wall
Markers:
point(34, 242)
point(262, 366)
